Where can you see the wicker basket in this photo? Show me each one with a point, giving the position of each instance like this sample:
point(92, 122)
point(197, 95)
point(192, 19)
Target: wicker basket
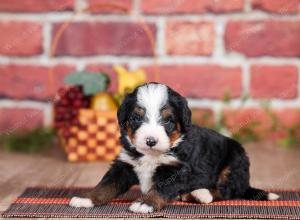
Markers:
point(96, 135)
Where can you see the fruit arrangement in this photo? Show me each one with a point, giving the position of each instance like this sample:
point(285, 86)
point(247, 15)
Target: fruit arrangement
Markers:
point(85, 113)
point(86, 90)
point(89, 90)
point(67, 105)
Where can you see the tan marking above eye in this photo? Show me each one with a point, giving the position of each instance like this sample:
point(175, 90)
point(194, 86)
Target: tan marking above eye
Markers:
point(166, 112)
point(139, 110)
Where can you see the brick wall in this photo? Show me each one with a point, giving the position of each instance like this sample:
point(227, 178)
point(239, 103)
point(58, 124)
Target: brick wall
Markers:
point(205, 48)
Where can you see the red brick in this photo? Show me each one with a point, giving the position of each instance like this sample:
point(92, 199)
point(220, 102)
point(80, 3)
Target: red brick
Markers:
point(190, 6)
point(277, 6)
point(108, 69)
point(255, 118)
point(20, 38)
point(114, 38)
point(193, 38)
point(273, 81)
point(203, 117)
point(200, 81)
point(12, 119)
point(35, 5)
point(288, 117)
point(263, 38)
point(112, 6)
point(262, 121)
point(30, 82)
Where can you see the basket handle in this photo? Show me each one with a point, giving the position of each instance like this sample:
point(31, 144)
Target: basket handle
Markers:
point(92, 8)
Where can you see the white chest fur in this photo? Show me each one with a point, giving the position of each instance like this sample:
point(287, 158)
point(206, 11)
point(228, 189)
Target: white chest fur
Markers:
point(145, 167)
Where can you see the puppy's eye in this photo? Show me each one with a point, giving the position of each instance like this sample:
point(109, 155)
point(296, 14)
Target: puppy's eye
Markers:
point(167, 121)
point(138, 119)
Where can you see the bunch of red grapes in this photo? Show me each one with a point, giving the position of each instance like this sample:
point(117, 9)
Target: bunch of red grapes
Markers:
point(67, 105)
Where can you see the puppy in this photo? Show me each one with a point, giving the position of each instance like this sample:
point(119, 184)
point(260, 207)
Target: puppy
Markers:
point(169, 157)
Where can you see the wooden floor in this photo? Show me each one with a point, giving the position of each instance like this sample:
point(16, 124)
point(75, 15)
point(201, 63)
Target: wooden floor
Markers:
point(272, 167)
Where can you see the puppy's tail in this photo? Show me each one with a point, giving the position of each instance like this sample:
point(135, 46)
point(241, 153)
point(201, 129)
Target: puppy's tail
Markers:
point(259, 194)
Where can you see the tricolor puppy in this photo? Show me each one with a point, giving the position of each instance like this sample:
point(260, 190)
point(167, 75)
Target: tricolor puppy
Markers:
point(171, 158)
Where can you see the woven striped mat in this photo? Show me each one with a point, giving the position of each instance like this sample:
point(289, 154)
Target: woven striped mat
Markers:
point(53, 202)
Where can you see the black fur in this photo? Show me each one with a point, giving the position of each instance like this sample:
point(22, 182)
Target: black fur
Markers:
point(203, 155)
point(170, 122)
point(181, 108)
point(122, 175)
point(124, 113)
point(126, 109)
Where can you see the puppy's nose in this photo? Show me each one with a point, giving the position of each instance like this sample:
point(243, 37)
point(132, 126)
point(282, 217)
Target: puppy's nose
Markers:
point(151, 141)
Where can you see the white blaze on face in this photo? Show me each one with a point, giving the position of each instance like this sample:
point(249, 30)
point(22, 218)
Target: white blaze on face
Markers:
point(152, 97)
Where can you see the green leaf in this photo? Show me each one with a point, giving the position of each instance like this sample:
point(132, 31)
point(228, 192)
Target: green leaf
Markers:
point(266, 104)
point(92, 83)
point(226, 97)
point(35, 140)
point(245, 97)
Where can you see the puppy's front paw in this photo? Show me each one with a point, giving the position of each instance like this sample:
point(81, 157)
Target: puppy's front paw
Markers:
point(81, 202)
point(273, 196)
point(202, 195)
point(140, 207)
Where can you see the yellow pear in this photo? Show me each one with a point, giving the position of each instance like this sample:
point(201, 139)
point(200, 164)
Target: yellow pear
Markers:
point(128, 80)
point(103, 101)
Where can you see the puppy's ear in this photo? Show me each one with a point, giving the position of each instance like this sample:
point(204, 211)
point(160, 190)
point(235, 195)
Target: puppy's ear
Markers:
point(125, 109)
point(186, 114)
point(182, 109)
